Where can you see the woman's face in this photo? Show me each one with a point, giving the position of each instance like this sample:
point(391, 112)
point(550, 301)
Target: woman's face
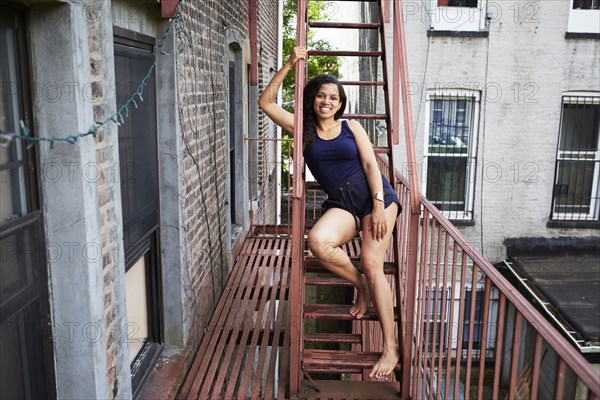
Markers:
point(327, 101)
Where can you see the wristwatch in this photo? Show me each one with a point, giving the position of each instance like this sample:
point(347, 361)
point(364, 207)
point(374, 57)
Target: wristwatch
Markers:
point(378, 196)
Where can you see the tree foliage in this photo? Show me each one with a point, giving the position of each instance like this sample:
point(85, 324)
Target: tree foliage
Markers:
point(317, 11)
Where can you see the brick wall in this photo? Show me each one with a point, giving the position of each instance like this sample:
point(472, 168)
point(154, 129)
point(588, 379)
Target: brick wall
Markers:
point(106, 170)
point(267, 63)
point(202, 98)
point(203, 118)
point(521, 70)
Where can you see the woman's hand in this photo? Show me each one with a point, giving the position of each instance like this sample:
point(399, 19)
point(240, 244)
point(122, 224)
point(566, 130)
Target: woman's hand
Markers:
point(298, 53)
point(267, 99)
point(378, 226)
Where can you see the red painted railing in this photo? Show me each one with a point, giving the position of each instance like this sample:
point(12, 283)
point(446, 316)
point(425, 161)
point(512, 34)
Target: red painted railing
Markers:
point(465, 330)
point(497, 346)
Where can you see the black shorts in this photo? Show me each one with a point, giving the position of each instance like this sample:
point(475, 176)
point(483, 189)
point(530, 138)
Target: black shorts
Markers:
point(354, 196)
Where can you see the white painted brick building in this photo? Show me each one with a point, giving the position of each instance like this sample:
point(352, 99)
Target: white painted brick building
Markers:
point(500, 75)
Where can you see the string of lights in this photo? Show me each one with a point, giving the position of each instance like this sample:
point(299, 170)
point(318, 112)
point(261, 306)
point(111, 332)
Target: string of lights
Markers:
point(118, 118)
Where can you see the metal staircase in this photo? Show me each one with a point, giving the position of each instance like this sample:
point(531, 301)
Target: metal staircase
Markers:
point(305, 362)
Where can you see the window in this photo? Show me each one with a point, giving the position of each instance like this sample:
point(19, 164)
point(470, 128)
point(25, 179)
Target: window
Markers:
point(433, 317)
point(138, 162)
point(458, 15)
point(233, 110)
point(576, 194)
point(236, 191)
point(477, 321)
point(450, 151)
point(586, 4)
point(584, 16)
point(26, 359)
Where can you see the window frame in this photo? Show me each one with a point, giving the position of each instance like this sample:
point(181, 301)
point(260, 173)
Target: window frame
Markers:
point(461, 19)
point(131, 43)
point(583, 20)
point(594, 206)
point(471, 162)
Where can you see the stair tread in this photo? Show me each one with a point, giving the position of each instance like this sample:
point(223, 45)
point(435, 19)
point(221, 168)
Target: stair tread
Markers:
point(338, 312)
point(333, 337)
point(355, 390)
point(344, 25)
point(364, 116)
point(345, 53)
point(340, 359)
point(311, 264)
point(362, 83)
point(326, 281)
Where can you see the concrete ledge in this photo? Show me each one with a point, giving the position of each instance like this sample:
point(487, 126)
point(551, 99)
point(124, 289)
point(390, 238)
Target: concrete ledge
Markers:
point(574, 224)
point(582, 35)
point(550, 247)
point(458, 33)
point(462, 222)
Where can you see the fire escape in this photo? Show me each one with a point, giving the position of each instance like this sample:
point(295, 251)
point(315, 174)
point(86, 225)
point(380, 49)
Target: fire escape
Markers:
point(464, 331)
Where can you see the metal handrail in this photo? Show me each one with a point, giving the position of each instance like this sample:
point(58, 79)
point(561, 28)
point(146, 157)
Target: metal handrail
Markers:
point(571, 357)
point(580, 366)
point(296, 299)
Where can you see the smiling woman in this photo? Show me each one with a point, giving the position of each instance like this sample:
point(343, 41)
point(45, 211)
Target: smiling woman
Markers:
point(341, 157)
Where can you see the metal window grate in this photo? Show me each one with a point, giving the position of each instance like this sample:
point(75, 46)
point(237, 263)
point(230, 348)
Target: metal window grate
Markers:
point(450, 154)
point(576, 193)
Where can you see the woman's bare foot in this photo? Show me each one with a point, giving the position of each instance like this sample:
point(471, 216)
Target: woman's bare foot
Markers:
point(386, 364)
point(362, 300)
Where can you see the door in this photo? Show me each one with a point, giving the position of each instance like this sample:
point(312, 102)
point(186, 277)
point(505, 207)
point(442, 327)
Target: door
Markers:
point(26, 358)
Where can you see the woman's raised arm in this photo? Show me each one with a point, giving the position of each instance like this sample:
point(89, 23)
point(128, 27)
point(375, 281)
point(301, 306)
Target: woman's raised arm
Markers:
point(266, 101)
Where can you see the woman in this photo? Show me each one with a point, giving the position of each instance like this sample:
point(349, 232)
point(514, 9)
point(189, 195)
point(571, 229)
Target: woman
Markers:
point(341, 157)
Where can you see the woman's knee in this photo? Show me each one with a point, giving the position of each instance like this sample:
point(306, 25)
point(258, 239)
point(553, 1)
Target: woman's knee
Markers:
point(319, 242)
point(372, 266)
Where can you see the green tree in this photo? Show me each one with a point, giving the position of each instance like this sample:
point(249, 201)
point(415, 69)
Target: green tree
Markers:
point(317, 11)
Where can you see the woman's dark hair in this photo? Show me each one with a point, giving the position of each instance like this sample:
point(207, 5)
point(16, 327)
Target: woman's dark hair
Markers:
point(310, 117)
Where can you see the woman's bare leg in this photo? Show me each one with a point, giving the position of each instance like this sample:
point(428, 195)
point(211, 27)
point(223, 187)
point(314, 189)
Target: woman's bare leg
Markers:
point(335, 228)
point(372, 257)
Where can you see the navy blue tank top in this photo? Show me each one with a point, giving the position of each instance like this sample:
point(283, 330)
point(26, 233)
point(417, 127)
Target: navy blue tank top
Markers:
point(333, 161)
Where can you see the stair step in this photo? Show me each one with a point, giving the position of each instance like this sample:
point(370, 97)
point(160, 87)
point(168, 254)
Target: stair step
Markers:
point(312, 185)
point(362, 83)
point(326, 281)
point(311, 264)
point(381, 150)
point(343, 25)
point(355, 390)
point(333, 338)
point(338, 312)
point(339, 361)
point(345, 53)
point(364, 116)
